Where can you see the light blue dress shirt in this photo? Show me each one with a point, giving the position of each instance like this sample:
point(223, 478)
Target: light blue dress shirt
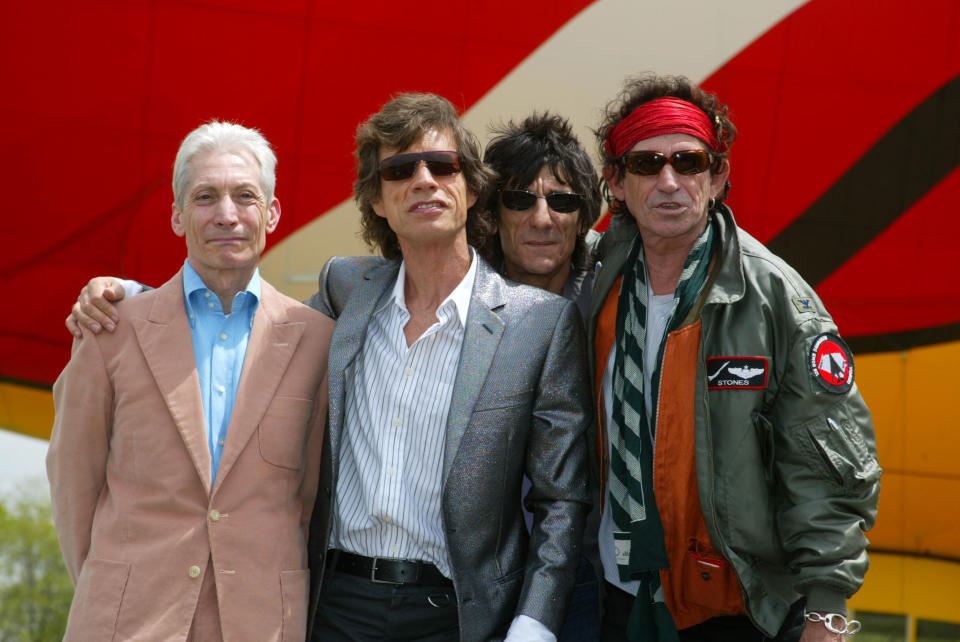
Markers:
point(219, 346)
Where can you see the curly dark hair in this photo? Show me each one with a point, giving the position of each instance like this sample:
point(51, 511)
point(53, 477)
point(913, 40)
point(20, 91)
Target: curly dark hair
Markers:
point(518, 152)
point(644, 88)
point(399, 124)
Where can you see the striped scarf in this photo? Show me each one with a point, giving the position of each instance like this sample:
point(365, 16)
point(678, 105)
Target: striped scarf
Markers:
point(638, 534)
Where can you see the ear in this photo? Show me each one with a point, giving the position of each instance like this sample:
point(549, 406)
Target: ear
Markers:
point(614, 180)
point(719, 180)
point(377, 206)
point(273, 216)
point(471, 199)
point(176, 221)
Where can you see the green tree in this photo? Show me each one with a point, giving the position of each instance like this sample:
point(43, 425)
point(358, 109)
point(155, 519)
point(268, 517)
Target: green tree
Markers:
point(35, 589)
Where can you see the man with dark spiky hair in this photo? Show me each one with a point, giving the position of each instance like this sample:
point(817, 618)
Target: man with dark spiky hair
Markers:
point(546, 199)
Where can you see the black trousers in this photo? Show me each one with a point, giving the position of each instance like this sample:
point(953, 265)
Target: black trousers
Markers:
point(355, 609)
point(725, 628)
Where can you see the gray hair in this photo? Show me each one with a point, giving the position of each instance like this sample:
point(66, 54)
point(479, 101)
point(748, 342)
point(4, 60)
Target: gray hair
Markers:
point(220, 135)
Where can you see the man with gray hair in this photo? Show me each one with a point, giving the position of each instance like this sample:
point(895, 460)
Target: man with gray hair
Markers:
point(184, 456)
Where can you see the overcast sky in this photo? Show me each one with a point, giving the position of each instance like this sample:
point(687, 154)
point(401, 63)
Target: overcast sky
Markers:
point(21, 460)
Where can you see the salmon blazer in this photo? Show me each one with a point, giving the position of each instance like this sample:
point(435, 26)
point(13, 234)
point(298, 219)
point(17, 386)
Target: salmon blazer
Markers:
point(141, 527)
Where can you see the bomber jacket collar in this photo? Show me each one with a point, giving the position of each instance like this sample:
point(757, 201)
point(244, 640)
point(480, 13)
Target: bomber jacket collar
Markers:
point(726, 284)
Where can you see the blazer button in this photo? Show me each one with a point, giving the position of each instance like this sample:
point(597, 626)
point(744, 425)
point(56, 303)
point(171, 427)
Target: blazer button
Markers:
point(194, 572)
point(215, 515)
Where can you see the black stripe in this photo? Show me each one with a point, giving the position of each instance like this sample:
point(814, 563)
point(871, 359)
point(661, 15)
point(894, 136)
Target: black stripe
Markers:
point(915, 155)
point(896, 341)
point(36, 385)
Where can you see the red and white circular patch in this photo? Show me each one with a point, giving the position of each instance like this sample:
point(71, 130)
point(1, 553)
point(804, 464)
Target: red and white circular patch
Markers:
point(831, 363)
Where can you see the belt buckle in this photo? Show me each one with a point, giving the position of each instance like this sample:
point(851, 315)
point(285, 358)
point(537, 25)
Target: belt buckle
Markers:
point(375, 580)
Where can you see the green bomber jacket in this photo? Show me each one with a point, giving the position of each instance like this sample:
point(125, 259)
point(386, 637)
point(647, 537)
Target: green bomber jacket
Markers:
point(786, 462)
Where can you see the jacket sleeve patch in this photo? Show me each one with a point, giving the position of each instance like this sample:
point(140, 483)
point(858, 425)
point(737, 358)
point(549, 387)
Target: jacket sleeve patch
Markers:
point(736, 372)
point(804, 304)
point(831, 363)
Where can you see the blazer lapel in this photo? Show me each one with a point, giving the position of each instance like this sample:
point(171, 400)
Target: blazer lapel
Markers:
point(348, 337)
point(269, 350)
point(164, 337)
point(480, 340)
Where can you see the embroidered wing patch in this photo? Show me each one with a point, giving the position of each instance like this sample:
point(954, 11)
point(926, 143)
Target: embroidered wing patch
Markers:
point(831, 363)
point(736, 372)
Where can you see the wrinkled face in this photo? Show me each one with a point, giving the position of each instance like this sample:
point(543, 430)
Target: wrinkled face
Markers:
point(426, 209)
point(226, 217)
point(538, 241)
point(669, 207)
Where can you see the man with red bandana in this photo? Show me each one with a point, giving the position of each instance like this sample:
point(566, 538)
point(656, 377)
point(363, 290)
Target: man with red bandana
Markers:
point(736, 455)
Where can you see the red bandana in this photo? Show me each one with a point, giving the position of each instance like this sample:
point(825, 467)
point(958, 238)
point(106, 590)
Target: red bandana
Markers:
point(661, 116)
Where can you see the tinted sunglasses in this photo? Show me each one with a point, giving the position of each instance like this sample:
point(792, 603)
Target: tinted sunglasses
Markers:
point(402, 166)
point(521, 199)
point(693, 161)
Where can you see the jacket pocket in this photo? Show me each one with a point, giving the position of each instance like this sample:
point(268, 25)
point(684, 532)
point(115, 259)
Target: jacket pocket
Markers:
point(709, 580)
point(764, 429)
point(506, 582)
point(841, 452)
point(503, 399)
point(96, 603)
point(294, 587)
point(282, 429)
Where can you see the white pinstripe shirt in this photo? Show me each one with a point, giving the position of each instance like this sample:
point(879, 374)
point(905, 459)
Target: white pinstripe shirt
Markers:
point(391, 458)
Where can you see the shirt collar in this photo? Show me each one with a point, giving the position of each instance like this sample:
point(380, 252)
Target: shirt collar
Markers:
point(460, 296)
point(193, 283)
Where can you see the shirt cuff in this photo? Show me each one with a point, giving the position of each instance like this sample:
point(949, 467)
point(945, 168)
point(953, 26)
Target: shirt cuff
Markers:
point(130, 288)
point(525, 629)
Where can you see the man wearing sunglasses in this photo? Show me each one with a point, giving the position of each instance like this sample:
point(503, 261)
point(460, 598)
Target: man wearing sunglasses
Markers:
point(736, 456)
point(447, 385)
point(545, 199)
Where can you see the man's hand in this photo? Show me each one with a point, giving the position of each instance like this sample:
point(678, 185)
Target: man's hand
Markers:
point(94, 308)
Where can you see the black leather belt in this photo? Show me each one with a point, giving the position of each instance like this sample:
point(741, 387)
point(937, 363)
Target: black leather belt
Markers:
point(385, 570)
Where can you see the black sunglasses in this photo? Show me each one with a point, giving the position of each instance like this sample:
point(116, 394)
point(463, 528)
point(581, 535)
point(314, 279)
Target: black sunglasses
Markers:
point(692, 161)
point(521, 199)
point(402, 166)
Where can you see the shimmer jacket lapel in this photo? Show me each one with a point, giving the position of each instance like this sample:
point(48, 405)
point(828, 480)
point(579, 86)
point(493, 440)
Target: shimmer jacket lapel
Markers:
point(480, 340)
point(348, 338)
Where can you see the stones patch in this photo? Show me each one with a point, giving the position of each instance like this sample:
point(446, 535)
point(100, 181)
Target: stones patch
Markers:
point(831, 363)
point(736, 373)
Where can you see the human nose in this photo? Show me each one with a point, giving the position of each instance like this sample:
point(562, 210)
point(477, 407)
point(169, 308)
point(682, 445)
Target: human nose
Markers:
point(667, 179)
point(227, 213)
point(422, 176)
point(540, 214)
